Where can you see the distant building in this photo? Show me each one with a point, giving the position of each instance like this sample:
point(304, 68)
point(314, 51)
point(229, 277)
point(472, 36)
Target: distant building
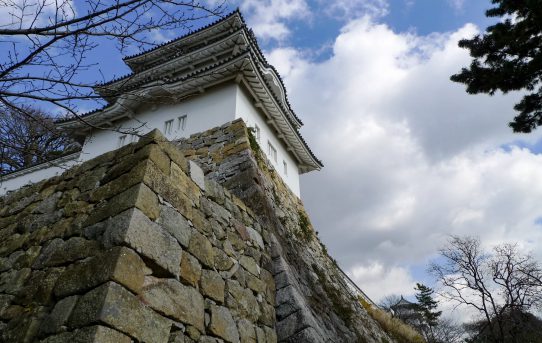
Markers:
point(408, 312)
point(201, 80)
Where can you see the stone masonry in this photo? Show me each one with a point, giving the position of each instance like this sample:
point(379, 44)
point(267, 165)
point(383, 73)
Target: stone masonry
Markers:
point(154, 242)
point(314, 303)
point(133, 246)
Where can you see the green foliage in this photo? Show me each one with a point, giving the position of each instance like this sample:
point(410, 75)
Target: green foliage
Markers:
point(255, 147)
point(427, 304)
point(305, 230)
point(324, 249)
point(508, 57)
point(342, 308)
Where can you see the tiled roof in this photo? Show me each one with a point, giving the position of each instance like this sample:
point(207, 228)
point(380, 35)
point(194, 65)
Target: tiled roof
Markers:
point(226, 17)
point(255, 54)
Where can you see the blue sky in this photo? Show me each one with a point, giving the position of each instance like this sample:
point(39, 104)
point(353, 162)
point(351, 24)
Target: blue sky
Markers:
point(409, 157)
point(420, 16)
point(314, 33)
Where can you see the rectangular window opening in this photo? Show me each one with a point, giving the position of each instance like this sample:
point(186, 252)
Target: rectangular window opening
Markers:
point(272, 151)
point(168, 126)
point(257, 132)
point(182, 123)
point(122, 141)
point(285, 165)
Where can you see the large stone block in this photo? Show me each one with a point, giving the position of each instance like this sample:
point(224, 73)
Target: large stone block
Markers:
point(159, 157)
point(134, 229)
point(118, 264)
point(212, 285)
point(117, 308)
point(171, 189)
point(255, 237)
point(91, 334)
point(223, 325)
point(39, 287)
point(115, 182)
point(175, 300)
point(14, 242)
point(196, 173)
point(294, 323)
point(175, 224)
point(59, 252)
point(271, 335)
point(250, 265)
point(58, 318)
point(5, 302)
point(202, 249)
point(242, 301)
point(190, 269)
point(139, 196)
point(222, 261)
point(13, 281)
point(267, 314)
point(247, 334)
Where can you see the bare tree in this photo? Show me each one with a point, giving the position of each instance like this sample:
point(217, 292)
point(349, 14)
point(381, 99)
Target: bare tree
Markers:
point(447, 331)
point(494, 283)
point(45, 45)
point(29, 138)
point(388, 301)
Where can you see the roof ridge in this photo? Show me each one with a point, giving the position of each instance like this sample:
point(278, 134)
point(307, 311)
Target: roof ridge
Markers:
point(146, 69)
point(224, 18)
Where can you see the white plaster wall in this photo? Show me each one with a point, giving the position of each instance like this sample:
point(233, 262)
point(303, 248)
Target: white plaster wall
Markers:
point(251, 115)
point(210, 109)
point(213, 108)
point(49, 170)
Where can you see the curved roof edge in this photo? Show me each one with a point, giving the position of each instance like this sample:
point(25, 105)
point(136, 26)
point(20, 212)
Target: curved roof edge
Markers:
point(114, 110)
point(133, 58)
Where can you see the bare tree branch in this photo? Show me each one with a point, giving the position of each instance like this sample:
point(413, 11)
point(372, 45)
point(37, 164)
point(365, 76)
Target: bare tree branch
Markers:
point(46, 45)
point(499, 285)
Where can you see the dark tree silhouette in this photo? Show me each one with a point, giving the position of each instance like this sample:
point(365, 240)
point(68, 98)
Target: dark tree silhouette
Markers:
point(45, 52)
point(428, 308)
point(29, 138)
point(519, 327)
point(508, 57)
point(45, 45)
point(493, 283)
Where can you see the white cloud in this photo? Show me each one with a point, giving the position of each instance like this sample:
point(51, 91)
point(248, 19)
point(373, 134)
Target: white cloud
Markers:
point(268, 18)
point(409, 156)
point(347, 9)
point(379, 281)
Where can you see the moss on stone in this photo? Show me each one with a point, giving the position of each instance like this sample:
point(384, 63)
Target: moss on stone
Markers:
point(255, 147)
point(340, 307)
point(305, 231)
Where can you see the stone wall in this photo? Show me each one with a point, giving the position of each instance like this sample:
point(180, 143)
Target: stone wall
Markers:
point(134, 245)
point(314, 302)
point(152, 243)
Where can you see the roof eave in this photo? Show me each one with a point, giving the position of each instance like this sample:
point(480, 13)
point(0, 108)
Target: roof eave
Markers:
point(135, 60)
point(239, 64)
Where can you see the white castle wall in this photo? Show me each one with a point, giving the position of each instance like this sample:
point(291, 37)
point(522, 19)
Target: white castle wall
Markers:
point(37, 173)
point(251, 115)
point(213, 108)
